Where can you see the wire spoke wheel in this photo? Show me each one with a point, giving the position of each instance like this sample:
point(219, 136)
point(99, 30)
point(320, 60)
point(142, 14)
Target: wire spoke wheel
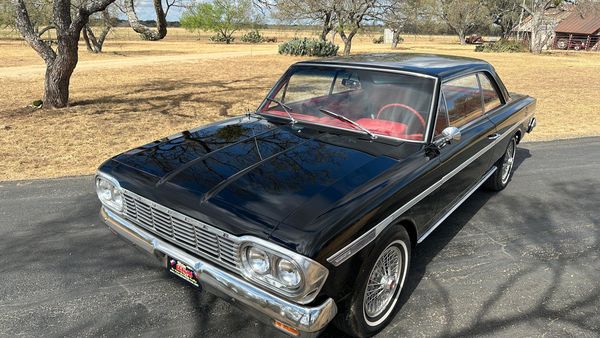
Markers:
point(383, 281)
point(509, 159)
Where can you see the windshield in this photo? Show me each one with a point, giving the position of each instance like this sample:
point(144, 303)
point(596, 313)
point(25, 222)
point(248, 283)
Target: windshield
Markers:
point(384, 103)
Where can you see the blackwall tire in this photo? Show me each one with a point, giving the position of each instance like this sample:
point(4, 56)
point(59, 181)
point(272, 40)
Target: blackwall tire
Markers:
point(363, 316)
point(504, 168)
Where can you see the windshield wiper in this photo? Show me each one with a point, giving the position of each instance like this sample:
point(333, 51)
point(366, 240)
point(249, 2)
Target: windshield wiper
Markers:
point(345, 119)
point(285, 107)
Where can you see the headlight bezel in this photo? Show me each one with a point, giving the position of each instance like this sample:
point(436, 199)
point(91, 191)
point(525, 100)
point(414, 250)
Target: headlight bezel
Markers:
point(312, 274)
point(115, 190)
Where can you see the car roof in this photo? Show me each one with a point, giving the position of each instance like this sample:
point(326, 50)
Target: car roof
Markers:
point(441, 66)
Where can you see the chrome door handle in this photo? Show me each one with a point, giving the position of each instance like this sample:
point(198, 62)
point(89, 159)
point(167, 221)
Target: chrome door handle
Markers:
point(493, 136)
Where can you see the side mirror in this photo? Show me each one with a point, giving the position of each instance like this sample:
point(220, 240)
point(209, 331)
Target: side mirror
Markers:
point(449, 134)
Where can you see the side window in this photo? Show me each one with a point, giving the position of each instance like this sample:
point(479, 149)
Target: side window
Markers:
point(441, 121)
point(491, 99)
point(463, 100)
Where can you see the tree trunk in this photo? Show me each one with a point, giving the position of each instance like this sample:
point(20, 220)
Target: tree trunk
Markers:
point(59, 71)
point(324, 32)
point(90, 40)
point(505, 29)
point(347, 47)
point(93, 44)
point(347, 41)
point(535, 40)
point(326, 26)
point(395, 38)
point(461, 37)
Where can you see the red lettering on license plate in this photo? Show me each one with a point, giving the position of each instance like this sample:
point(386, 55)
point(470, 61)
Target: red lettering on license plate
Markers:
point(183, 271)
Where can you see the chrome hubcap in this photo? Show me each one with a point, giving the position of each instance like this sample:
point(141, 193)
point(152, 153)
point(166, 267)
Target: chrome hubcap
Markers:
point(383, 281)
point(509, 159)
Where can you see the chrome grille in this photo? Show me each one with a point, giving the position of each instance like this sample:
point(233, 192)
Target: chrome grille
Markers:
point(189, 233)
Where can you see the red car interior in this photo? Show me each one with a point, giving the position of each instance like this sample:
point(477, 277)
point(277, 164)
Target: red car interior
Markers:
point(378, 109)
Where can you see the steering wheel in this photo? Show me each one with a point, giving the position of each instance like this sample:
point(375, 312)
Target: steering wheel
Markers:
point(408, 108)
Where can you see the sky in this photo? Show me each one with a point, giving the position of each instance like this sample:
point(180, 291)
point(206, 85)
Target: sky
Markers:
point(145, 11)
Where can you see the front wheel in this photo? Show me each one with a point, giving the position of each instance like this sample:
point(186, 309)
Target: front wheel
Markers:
point(504, 168)
point(378, 286)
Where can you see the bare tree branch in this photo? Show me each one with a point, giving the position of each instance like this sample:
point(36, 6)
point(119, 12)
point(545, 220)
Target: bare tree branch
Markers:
point(145, 32)
point(45, 29)
point(26, 29)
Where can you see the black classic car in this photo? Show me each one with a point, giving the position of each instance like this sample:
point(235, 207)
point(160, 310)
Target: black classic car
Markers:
point(307, 210)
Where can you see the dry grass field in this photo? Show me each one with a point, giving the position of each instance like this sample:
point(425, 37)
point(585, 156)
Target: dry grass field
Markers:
point(138, 91)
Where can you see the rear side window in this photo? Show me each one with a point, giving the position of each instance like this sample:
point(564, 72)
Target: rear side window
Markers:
point(463, 100)
point(491, 99)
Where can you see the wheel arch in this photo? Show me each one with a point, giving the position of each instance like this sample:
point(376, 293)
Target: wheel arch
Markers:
point(519, 135)
point(411, 228)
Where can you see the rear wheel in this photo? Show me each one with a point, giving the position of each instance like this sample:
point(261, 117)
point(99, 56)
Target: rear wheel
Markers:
point(378, 286)
point(504, 168)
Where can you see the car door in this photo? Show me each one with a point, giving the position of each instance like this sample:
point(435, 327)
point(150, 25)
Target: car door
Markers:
point(464, 161)
point(495, 109)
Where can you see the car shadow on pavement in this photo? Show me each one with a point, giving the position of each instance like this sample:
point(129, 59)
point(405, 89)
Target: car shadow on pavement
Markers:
point(541, 244)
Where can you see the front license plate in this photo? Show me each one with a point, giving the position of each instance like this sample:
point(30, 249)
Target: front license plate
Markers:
point(183, 271)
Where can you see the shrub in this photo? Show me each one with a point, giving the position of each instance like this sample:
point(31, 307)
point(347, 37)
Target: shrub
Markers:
point(378, 40)
point(221, 38)
point(308, 47)
point(252, 36)
point(502, 46)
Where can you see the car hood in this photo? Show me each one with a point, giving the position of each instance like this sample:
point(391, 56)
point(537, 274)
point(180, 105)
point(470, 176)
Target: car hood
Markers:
point(247, 176)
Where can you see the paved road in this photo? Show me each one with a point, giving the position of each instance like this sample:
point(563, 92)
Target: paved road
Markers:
point(523, 262)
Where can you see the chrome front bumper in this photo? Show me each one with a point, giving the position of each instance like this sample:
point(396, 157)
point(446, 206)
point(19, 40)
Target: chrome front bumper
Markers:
point(308, 320)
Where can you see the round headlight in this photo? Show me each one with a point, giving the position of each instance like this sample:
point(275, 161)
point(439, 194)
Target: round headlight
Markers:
point(109, 194)
point(105, 189)
point(258, 260)
point(288, 273)
point(117, 196)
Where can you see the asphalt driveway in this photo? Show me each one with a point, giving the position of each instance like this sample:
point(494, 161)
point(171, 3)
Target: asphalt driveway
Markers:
point(522, 262)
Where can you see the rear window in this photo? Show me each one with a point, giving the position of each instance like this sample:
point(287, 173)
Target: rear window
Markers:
point(491, 99)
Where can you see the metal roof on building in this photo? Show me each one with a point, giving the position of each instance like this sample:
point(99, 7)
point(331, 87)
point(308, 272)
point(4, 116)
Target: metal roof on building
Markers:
point(577, 24)
point(551, 18)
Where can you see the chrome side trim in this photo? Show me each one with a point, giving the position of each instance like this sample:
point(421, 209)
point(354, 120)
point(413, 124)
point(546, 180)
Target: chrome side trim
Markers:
point(464, 198)
point(358, 244)
point(263, 305)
